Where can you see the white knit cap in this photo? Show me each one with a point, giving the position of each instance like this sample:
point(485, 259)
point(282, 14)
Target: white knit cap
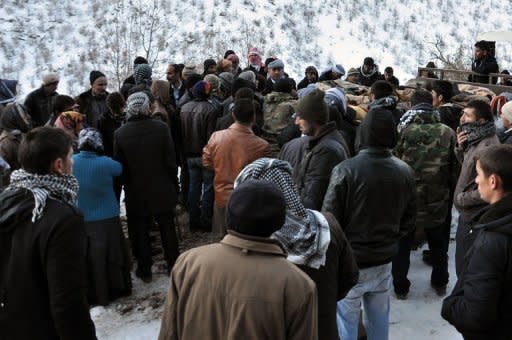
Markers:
point(506, 111)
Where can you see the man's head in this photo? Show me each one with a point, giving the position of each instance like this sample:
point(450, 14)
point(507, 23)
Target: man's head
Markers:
point(506, 115)
point(142, 73)
point(276, 69)
point(421, 96)
point(46, 150)
point(312, 112)
point(202, 90)
point(188, 70)
point(482, 50)
point(243, 111)
point(235, 62)
point(116, 103)
point(173, 73)
point(476, 111)
point(368, 64)
point(442, 92)
point(256, 208)
point(352, 75)
point(209, 66)
point(191, 80)
point(494, 172)
point(98, 82)
point(283, 85)
point(138, 61)
point(311, 74)
point(388, 73)
point(50, 82)
point(254, 57)
point(378, 129)
point(381, 89)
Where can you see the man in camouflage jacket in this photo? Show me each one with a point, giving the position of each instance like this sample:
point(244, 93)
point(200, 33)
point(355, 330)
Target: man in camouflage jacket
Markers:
point(427, 146)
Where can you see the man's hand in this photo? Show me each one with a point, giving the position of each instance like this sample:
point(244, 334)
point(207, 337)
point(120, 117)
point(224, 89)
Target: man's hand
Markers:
point(462, 138)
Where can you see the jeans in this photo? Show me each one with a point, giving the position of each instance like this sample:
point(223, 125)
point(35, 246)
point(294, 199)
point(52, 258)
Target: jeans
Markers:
point(373, 288)
point(200, 195)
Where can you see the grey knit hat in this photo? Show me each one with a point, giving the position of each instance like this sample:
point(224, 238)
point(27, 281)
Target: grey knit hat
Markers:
point(278, 63)
point(142, 73)
point(313, 108)
point(137, 104)
point(92, 138)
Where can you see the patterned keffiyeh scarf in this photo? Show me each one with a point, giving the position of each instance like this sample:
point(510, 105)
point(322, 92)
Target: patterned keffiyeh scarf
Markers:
point(477, 131)
point(60, 187)
point(305, 234)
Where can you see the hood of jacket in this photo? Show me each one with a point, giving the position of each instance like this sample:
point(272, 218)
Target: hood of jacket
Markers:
point(15, 206)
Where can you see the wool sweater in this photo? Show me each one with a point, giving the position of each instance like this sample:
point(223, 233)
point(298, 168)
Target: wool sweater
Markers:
point(95, 175)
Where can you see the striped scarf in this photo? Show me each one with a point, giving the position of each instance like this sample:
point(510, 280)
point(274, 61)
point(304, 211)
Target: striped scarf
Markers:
point(63, 188)
point(305, 234)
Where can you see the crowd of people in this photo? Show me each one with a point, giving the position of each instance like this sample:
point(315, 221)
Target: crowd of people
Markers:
point(317, 192)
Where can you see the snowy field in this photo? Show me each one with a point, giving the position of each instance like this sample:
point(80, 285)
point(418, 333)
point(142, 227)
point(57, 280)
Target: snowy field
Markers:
point(418, 317)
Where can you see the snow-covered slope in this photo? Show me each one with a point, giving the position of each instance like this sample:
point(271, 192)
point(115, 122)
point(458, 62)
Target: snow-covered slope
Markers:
point(74, 37)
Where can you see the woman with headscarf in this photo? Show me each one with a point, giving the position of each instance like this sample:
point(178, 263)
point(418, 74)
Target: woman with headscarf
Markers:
point(71, 123)
point(314, 241)
point(107, 262)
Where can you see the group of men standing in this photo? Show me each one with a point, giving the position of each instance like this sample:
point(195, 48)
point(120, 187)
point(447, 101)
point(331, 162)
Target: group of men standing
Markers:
point(346, 211)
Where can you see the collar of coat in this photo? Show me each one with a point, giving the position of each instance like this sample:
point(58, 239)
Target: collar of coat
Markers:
point(248, 244)
point(241, 128)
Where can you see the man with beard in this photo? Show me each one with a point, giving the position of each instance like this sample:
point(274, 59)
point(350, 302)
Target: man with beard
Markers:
point(369, 72)
point(313, 157)
point(93, 102)
point(484, 63)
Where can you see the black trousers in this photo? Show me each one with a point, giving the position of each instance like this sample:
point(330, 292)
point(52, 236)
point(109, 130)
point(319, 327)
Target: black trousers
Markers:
point(436, 238)
point(138, 229)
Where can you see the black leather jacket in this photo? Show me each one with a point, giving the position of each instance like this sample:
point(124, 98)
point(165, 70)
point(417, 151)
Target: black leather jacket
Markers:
point(198, 119)
point(373, 197)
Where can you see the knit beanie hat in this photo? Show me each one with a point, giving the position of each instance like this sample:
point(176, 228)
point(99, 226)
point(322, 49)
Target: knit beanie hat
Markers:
point(368, 61)
point(226, 79)
point(506, 111)
point(139, 60)
point(278, 63)
point(214, 83)
point(378, 129)
point(92, 138)
point(239, 83)
point(142, 73)
point(95, 75)
point(338, 68)
point(256, 208)
point(202, 90)
point(248, 75)
point(50, 78)
point(313, 108)
point(188, 70)
point(351, 71)
point(283, 85)
point(137, 104)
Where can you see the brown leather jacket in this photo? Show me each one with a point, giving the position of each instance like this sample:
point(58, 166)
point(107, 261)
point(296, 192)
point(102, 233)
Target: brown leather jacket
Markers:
point(227, 153)
point(240, 288)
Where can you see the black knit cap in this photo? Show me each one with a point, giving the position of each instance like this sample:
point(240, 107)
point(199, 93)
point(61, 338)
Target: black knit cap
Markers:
point(368, 61)
point(239, 83)
point(256, 208)
point(283, 85)
point(140, 60)
point(378, 129)
point(95, 75)
point(312, 107)
point(228, 53)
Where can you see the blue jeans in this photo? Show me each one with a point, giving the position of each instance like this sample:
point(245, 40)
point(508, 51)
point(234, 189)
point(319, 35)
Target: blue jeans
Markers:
point(373, 288)
point(200, 195)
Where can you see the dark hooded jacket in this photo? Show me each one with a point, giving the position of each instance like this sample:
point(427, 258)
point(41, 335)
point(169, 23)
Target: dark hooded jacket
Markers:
point(305, 82)
point(485, 66)
point(42, 270)
point(313, 159)
point(480, 306)
point(372, 195)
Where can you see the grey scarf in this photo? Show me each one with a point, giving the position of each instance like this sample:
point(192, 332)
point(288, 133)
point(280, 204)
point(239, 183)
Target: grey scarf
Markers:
point(305, 234)
point(60, 187)
point(477, 131)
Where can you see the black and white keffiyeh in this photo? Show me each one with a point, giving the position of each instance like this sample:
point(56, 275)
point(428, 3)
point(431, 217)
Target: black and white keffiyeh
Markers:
point(305, 234)
point(90, 137)
point(476, 131)
point(137, 104)
point(60, 187)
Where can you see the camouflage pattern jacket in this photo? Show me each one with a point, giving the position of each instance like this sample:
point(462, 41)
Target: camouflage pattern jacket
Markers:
point(278, 107)
point(427, 146)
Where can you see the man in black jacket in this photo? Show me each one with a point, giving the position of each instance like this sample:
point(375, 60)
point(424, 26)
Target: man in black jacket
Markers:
point(145, 149)
point(480, 306)
point(372, 195)
point(43, 245)
point(484, 63)
point(39, 103)
point(313, 157)
point(198, 119)
point(93, 102)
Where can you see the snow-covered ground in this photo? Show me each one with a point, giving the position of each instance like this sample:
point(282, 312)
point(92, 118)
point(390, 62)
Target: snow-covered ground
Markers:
point(418, 317)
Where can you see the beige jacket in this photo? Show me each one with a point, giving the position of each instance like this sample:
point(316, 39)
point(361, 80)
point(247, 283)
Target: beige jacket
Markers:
point(466, 197)
point(227, 153)
point(242, 288)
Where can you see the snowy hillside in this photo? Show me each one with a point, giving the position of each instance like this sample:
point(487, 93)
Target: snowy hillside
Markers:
point(74, 37)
